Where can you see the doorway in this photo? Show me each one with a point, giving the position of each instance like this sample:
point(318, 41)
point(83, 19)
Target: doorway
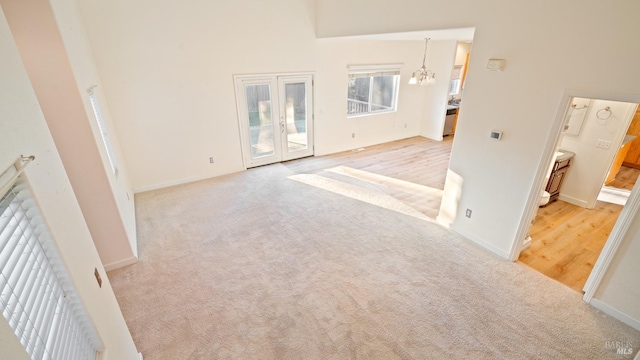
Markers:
point(275, 115)
point(568, 235)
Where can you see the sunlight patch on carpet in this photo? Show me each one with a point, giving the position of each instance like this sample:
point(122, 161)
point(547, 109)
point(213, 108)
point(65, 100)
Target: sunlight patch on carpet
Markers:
point(358, 193)
point(372, 178)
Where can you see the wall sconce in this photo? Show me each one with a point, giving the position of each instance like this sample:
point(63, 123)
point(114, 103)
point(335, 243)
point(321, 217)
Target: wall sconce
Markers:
point(423, 76)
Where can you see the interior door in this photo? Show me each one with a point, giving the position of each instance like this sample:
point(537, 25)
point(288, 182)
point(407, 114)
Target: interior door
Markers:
point(275, 117)
point(259, 127)
point(296, 115)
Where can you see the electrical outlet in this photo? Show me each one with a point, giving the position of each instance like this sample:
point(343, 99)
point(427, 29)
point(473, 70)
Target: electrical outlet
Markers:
point(468, 213)
point(353, 135)
point(405, 125)
point(603, 144)
point(211, 160)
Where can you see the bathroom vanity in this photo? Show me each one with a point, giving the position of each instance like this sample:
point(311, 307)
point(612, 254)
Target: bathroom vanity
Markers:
point(558, 172)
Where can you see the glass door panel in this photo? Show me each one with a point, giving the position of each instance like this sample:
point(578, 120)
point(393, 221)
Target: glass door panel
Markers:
point(296, 116)
point(296, 119)
point(275, 114)
point(260, 116)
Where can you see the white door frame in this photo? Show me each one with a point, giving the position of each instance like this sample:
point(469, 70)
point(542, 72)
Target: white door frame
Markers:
point(243, 121)
point(307, 80)
point(531, 207)
point(276, 85)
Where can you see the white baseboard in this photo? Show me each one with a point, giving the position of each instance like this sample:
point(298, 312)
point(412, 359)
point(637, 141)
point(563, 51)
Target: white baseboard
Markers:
point(140, 356)
point(179, 182)
point(615, 313)
point(121, 263)
point(483, 244)
point(574, 201)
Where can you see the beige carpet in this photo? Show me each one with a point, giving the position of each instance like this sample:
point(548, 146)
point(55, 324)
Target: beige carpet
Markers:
point(258, 266)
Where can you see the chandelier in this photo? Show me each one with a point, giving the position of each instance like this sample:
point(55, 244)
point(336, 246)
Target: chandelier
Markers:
point(423, 76)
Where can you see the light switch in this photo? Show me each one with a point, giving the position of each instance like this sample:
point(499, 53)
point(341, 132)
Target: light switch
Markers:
point(496, 135)
point(496, 64)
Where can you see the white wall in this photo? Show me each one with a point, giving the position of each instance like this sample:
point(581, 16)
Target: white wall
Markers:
point(440, 58)
point(591, 164)
point(168, 75)
point(86, 74)
point(60, 68)
point(167, 71)
point(620, 286)
point(548, 49)
point(333, 129)
point(462, 50)
point(23, 130)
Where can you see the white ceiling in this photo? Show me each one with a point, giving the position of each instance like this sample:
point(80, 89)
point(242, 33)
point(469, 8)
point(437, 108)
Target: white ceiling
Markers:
point(461, 34)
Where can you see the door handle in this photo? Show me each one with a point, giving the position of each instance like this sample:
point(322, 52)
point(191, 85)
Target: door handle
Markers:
point(281, 124)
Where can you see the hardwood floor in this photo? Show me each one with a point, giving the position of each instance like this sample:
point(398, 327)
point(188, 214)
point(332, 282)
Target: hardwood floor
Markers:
point(567, 239)
point(411, 170)
point(626, 178)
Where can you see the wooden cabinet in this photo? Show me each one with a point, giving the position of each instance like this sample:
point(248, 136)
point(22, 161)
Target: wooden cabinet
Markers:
point(617, 162)
point(632, 159)
point(557, 177)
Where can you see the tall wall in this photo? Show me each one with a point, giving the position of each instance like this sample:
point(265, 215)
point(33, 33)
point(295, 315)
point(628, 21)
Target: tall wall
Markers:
point(167, 69)
point(23, 130)
point(440, 55)
point(333, 129)
point(549, 47)
point(53, 46)
point(620, 289)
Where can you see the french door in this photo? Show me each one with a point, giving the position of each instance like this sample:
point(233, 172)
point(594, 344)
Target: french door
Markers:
point(276, 117)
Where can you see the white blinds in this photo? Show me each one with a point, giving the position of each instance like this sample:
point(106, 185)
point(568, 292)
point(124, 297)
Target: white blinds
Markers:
point(36, 297)
point(356, 71)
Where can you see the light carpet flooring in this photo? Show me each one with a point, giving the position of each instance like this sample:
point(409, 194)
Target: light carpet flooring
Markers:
point(257, 265)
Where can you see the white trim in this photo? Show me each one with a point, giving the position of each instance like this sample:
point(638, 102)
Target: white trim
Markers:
point(615, 313)
point(613, 243)
point(140, 356)
point(533, 200)
point(120, 263)
point(180, 182)
point(357, 69)
point(269, 75)
point(574, 201)
point(483, 244)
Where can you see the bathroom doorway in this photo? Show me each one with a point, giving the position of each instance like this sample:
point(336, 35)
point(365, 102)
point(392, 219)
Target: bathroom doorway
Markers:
point(568, 234)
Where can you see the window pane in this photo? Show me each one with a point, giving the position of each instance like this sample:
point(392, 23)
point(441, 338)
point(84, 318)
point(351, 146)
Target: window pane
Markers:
point(358, 95)
point(374, 92)
point(382, 96)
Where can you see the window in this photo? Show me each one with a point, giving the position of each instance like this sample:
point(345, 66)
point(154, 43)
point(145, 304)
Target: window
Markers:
point(372, 90)
point(102, 128)
point(456, 81)
point(36, 297)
